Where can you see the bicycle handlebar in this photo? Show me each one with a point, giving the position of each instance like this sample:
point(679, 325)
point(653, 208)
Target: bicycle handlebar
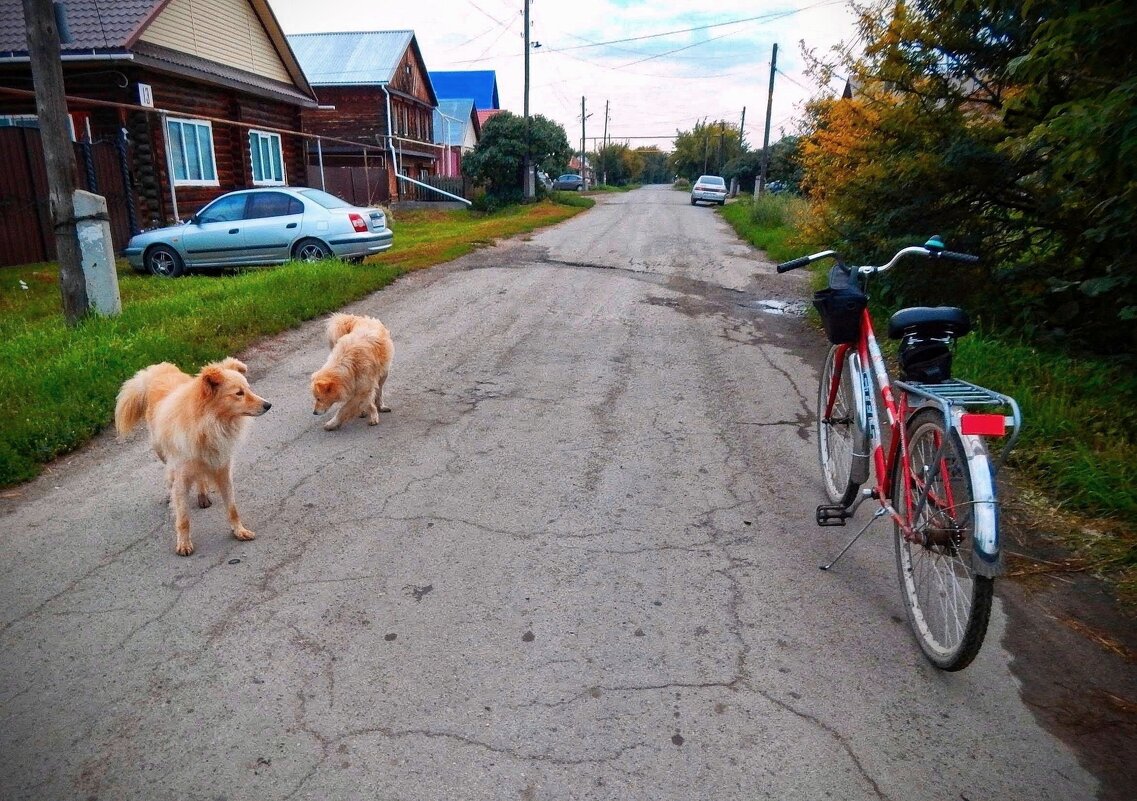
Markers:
point(916, 250)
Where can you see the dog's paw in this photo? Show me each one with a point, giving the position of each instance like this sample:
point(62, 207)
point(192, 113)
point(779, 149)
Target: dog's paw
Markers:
point(331, 425)
point(184, 548)
point(203, 501)
point(243, 533)
point(373, 420)
point(384, 408)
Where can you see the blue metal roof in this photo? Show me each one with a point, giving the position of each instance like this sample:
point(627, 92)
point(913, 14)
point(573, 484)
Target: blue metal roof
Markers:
point(481, 85)
point(460, 110)
point(360, 57)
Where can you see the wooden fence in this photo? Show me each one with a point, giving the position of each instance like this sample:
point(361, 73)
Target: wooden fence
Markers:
point(25, 219)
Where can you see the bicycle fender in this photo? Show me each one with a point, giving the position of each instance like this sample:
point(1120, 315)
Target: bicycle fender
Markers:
point(987, 557)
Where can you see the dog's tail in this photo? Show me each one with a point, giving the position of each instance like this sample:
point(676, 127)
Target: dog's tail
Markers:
point(130, 408)
point(339, 325)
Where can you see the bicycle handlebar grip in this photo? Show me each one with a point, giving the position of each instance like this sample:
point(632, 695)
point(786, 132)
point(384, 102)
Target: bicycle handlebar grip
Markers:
point(793, 265)
point(967, 258)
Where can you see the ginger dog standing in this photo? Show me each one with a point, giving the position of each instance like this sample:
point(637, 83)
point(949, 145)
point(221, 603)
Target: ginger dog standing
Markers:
point(195, 425)
point(355, 370)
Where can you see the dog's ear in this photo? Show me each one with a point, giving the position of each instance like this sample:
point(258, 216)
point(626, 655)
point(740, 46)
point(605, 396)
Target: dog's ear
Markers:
point(211, 377)
point(229, 363)
point(323, 385)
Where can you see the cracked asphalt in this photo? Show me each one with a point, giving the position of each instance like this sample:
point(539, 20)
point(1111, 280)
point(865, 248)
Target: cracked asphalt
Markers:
point(577, 561)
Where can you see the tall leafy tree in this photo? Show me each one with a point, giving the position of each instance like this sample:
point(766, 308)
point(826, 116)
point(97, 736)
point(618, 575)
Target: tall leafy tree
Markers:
point(1007, 126)
point(705, 149)
point(655, 169)
point(498, 160)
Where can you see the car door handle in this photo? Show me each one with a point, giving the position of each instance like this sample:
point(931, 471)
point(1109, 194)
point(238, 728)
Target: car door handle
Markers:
point(290, 225)
point(234, 230)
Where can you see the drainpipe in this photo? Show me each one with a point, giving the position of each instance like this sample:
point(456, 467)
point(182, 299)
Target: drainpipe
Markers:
point(391, 138)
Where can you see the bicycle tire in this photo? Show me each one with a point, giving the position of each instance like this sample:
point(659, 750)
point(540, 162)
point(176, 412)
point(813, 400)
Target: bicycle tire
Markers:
point(842, 441)
point(947, 602)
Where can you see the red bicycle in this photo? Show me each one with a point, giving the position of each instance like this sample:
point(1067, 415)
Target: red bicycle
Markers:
point(936, 479)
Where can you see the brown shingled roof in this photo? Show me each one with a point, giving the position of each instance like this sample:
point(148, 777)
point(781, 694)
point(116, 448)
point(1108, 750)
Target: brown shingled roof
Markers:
point(93, 25)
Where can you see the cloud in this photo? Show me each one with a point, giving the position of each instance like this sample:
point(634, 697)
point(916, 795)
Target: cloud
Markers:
point(654, 86)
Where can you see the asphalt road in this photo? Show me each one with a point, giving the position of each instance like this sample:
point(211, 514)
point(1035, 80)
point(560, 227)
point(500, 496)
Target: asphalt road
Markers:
point(578, 560)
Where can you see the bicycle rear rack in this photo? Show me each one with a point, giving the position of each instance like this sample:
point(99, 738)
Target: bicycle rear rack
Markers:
point(956, 393)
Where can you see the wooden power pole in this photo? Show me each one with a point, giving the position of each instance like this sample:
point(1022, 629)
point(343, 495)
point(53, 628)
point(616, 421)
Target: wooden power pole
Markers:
point(583, 173)
point(604, 142)
point(527, 185)
point(59, 154)
point(760, 184)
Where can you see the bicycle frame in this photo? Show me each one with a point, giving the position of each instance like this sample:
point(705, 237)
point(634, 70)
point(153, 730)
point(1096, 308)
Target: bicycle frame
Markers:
point(873, 374)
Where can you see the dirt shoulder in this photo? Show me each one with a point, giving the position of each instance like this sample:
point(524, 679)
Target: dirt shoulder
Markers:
point(1075, 649)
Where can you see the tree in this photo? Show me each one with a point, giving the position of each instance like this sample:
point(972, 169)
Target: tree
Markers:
point(655, 169)
point(705, 149)
point(784, 166)
point(1010, 127)
point(498, 160)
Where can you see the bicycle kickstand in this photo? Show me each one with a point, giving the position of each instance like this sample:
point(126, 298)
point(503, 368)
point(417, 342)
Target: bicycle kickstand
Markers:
point(879, 513)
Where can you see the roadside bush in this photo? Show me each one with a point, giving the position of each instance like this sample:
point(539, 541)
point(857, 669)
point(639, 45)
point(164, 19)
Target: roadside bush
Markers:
point(682, 184)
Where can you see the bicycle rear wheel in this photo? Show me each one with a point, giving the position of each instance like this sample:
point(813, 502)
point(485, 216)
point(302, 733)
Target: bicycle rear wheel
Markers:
point(947, 602)
point(842, 442)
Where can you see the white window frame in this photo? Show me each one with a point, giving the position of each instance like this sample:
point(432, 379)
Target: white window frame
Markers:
point(257, 136)
point(14, 120)
point(185, 121)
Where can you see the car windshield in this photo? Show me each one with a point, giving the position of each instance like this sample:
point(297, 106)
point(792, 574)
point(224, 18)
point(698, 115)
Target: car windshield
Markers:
point(712, 179)
point(324, 199)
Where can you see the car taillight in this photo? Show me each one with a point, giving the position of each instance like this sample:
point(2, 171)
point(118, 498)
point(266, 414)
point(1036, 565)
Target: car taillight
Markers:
point(357, 222)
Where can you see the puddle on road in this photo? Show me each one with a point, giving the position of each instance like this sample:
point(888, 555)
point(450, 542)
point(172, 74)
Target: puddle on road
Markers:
point(790, 308)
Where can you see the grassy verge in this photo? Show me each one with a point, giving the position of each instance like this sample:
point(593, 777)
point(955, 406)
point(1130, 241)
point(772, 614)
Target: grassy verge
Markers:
point(768, 224)
point(575, 199)
point(59, 383)
point(613, 188)
point(1078, 452)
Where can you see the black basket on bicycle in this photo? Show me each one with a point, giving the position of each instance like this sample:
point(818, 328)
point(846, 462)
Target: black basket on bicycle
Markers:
point(840, 306)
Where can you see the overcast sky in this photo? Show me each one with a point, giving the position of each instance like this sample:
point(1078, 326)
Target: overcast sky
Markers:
point(655, 85)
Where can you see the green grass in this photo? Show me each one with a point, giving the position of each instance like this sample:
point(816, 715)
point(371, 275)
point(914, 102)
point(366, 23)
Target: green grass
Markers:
point(59, 383)
point(768, 224)
point(613, 188)
point(575, 199)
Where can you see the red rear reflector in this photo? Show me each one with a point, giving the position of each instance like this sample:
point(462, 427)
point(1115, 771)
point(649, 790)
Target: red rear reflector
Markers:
point(987, 425)
point(357, 222)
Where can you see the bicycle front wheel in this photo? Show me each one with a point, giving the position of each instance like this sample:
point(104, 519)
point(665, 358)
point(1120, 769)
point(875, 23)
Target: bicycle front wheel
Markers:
point(842, 442)
point(947, 602)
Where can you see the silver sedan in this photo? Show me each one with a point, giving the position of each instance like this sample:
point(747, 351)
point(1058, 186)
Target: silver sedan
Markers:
point(709, 188)
point(262, 226)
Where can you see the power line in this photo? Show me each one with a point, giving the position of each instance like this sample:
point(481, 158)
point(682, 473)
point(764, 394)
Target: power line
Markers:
point(759, 18)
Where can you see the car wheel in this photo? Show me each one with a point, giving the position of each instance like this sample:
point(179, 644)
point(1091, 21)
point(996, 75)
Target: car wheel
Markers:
point(692, 201)
point(164, 262)
point(580, 187)
point(310, 250)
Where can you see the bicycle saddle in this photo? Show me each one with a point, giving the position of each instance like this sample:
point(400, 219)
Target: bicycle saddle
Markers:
point(929, 321)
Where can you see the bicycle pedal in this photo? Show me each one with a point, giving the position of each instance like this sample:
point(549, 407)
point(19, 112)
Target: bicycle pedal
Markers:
point(832, 515)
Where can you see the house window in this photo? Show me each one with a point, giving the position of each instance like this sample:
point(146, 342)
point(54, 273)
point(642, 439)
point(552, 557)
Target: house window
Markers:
point(191, 152)
point(268, 161)
point(32, 121)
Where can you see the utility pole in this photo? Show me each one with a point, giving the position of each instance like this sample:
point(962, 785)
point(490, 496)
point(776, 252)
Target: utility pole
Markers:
point(722, 133)
point(760, 184)
point(742, 127)
point(605, 141)
point(527, 186)
point(583, 172)
point(59, 155)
